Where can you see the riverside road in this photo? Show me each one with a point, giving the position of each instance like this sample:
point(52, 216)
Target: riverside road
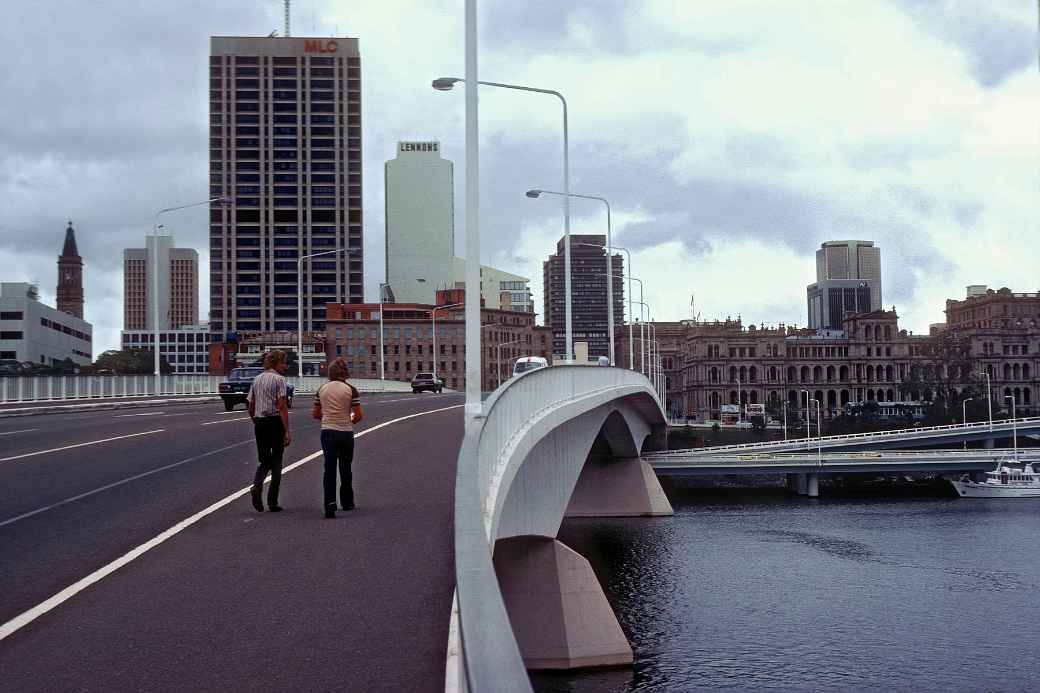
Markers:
point(231, 599)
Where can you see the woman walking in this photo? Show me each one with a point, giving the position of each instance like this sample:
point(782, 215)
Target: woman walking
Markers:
point(338, 405)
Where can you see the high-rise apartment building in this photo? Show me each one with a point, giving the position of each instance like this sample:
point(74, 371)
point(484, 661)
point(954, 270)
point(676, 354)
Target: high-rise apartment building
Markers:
point(848, 280)
point(285, 146)
point(420, 222)
point(588, 294)
point(178, 270)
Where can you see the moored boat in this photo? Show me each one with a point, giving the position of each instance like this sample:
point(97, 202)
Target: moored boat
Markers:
point(1011, 479)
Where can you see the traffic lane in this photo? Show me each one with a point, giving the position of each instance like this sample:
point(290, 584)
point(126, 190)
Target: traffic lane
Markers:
point(288, 600)
point(55, 469)
point(45, 552)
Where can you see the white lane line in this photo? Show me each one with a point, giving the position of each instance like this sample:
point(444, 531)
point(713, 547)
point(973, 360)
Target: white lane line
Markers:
point(210, 423)
point(150, 413)
point(127, 480)
point(24, 430)
point(25, 618)
point(79, 445)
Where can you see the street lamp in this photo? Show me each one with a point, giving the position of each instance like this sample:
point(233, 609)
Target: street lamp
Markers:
point(610, 284)
point(964, 416)
point(446, 84)
point(989, 400)
point(808, 416)
point(643, 348)
point(783, 405)
point(299, 298)
point(382, 356)
point(155, 270)
point(498, 359)
point(433, 330)
point(1014, 426)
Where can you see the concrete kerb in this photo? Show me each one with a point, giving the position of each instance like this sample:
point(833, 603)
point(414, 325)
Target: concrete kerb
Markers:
point(104, 406)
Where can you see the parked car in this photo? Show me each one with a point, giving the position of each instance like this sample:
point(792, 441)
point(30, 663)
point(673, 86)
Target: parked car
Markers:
point(235, 389)
point(426, 381)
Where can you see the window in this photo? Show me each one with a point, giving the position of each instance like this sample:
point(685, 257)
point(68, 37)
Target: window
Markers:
point(11, 315)
point(11, 335)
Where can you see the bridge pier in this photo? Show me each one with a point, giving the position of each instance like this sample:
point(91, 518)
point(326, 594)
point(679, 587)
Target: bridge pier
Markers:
point(798, 483)
point(812, 485)
point(613, 487)
point(560, 617)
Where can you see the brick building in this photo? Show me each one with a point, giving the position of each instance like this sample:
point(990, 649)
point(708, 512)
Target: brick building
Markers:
point(352, 332)
point(985, 308)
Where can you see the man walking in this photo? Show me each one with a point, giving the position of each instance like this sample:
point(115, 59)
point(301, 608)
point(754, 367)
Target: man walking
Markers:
point(270, 414)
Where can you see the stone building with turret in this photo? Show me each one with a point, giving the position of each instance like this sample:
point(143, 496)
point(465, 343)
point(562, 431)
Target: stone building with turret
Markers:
point(70, 277)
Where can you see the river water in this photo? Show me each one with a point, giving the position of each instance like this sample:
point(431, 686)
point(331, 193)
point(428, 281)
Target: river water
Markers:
point(762, 590)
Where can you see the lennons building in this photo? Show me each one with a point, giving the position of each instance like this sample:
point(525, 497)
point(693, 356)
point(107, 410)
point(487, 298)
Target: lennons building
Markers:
point(285, 146)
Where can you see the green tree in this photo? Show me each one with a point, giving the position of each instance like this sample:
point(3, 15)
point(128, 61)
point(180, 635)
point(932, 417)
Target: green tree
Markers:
point(942, 376)
point(129, 362)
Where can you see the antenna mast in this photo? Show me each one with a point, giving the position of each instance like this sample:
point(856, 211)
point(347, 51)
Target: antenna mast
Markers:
point(287, 34)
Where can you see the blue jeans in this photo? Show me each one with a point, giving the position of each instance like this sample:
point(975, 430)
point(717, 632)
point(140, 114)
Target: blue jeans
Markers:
point(338, 447)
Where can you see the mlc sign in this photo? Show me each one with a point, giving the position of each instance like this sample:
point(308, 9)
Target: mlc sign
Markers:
point(314, 46)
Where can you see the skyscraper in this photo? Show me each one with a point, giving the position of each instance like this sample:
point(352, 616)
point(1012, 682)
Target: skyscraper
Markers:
point(285, 145)
point(178, 285)
point(420, 222)
point(588, 297)
point(70, 277)
point(848, 280)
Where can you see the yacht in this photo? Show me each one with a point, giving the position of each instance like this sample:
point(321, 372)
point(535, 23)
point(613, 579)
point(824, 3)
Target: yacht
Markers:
point(1011, 479)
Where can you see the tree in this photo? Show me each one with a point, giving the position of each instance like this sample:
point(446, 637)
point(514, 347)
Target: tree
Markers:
point(128, 362)
point(942, 376)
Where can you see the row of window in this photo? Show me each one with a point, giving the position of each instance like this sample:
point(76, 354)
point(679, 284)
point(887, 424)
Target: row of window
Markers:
point(65, 329)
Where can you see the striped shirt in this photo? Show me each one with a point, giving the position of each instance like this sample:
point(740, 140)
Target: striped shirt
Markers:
point(265, 391)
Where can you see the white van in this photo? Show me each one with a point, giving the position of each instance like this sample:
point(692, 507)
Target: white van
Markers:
point(529, 363)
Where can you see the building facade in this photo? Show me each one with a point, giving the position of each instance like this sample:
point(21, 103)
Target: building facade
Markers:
point(848, 280)
point(186, 348)
point(498, 289)
point(420, 222)
point(984, 308)
point(588, 294)
point(285, 146)
point(31, 331)
point(70, 277)
point(178, 270)
point(353, 334)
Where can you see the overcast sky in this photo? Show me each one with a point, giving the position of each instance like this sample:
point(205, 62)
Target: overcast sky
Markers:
point(731, 136)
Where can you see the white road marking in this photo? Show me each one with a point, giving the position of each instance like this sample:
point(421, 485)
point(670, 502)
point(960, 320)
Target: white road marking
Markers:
point(210, 423)
point(79, 445)
point(150, 413)
point(127, 480)
point(25, 618)
point(24, 430)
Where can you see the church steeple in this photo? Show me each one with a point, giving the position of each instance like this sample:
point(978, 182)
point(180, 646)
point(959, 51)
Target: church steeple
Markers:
point(70, 276)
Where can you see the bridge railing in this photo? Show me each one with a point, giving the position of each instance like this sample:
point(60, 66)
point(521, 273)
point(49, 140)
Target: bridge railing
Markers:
point(665, 460)
point(1001, 425)
point(483, 653)
point(71, 387)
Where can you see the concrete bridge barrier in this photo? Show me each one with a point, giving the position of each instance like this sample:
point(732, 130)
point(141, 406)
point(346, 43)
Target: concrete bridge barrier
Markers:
point(553, 442)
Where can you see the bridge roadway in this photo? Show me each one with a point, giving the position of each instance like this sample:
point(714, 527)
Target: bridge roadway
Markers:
point(238, 599)
point(886, 461)
point(918, 436)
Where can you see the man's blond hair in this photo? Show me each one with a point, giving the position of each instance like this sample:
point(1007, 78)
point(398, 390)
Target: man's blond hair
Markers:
point(273, 358)
point(338, 370)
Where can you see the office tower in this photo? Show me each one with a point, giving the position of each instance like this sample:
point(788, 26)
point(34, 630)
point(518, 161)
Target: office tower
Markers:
point(588, 299)
point(178, 285)
point(70, 277)
point(848, 280)
point(285, 146)
point(420, 222)
point(498, 289)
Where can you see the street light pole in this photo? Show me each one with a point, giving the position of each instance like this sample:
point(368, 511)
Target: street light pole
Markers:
point(610, 274)
point(155, 273)
point(498, 360)
point(989, 400)
point(1014, 426)
point(446, 84)
point(299, 300)
point(808, 416)
point(964, 416)
point(382, 356)
point(433, 330)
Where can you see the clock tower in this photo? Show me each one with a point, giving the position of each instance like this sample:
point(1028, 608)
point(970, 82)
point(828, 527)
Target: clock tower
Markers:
point(70, 277)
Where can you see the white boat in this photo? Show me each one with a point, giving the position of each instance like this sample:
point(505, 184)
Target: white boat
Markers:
point(1010, 479)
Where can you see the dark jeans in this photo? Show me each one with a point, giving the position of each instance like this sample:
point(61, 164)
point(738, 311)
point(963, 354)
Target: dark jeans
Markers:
point(270, 443)
point(338, 447)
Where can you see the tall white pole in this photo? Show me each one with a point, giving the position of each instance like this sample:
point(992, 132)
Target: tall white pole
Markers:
point(989, 399)
point(433, 331)
point(1014, 426)
point(808, 416)
point(382, 372)
point(567, 237)
point(964, 416)
point(155, 301)
point(610, 290)
point(472, 359)
point(299, 316)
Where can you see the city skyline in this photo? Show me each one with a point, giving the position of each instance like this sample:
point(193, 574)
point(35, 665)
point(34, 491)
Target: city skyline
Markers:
point(702, 184)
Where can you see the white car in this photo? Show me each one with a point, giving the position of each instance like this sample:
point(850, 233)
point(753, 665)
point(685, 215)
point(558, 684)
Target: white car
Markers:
point(529, 363)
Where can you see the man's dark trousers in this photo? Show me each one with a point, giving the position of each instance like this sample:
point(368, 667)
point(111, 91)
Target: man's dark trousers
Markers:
point(338, 447)
point(270, 443)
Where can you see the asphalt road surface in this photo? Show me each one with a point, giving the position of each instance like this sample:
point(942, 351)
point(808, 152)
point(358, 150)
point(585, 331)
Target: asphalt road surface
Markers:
point(232, 599)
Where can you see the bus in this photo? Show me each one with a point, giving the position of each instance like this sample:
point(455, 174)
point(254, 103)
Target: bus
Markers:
point(892, 412)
